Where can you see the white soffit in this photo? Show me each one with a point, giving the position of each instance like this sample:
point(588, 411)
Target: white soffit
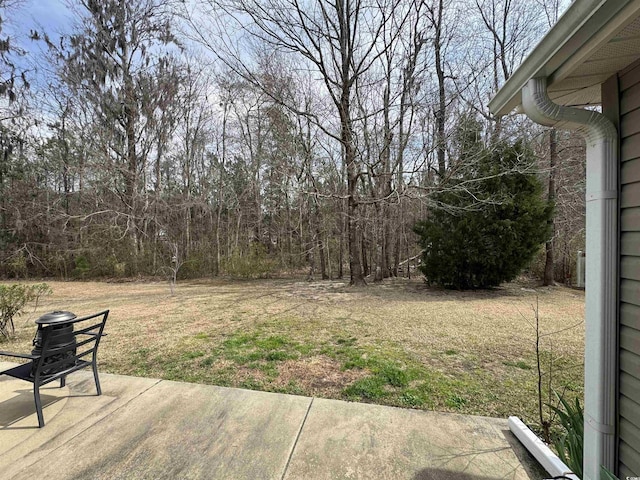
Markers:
point(593, 40)
point(581, 84)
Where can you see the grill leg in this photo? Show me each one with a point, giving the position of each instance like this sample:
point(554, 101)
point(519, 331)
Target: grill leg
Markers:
point(63, 381)
point(36, 396)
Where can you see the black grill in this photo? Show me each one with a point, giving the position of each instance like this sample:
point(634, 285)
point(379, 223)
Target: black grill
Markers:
point(62, 337)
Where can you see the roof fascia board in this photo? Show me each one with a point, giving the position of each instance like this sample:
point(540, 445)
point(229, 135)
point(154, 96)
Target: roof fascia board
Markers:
point(577, 25)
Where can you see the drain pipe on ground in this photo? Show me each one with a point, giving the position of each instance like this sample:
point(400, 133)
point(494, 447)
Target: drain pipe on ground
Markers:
point(601, 270)
point(543, 454)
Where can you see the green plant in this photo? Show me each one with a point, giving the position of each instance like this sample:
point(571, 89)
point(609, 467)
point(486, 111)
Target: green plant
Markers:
point(412, 398)
point(607, 475)
point(13, 299)
point(82, 266)
point(455, 401)
point(394, 376)
point(519, 364)
point(491, 221)
point(569, 444)
point(18, 265)
point(369, 388)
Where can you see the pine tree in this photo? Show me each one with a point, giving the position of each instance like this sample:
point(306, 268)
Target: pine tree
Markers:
point(490, 224)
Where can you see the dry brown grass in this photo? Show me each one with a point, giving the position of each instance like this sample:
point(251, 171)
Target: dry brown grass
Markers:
point(473, 340)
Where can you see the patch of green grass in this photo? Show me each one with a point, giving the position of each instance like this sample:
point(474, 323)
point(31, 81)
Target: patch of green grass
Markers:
point(250, 350)
point(192, 355)
point(455, 401)
point(207, 362)
point(393, 375)
point(238, 340)
point(269, 369)
point(412, 398)
point(292, 388)
point(355, 363)
point(369, 388)
point(397, 379)
point(450, 352)
point(305, 348)
point(140, 361)
point(347, 342)
point(279, 356)
point(243, 348)
point(142, 352)
point(252, 384)
point(272, 342)
point(519, 364)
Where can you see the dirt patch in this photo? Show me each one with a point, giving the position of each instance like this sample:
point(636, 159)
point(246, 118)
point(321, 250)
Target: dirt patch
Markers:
point(318, 376)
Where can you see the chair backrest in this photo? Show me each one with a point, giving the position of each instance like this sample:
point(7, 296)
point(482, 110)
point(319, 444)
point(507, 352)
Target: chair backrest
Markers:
point(61, 348)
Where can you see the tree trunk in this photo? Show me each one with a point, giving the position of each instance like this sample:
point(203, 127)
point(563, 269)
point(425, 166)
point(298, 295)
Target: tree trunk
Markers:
point(441, 112)
point(320, 242)
point(341, 245)
point(221, 162)
point(353, 207)
point(364, 251)
point(131, 178)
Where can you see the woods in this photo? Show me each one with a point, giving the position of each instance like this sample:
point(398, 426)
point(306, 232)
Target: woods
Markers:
point(255, 137)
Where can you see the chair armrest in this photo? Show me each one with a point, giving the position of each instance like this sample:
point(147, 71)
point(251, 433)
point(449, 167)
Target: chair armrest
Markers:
point(19, 355)
point(93, 334)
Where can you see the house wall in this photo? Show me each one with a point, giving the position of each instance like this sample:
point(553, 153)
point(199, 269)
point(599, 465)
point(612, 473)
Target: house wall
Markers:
point(621, 103)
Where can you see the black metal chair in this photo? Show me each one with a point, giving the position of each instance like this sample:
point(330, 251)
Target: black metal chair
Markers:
point(54, 362)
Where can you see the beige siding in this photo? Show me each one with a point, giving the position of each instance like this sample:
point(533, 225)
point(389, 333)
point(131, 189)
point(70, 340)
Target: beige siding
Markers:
point(630, 171)
point(629, 337)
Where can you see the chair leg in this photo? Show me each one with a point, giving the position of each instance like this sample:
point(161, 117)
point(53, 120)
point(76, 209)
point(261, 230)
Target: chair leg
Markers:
point(63, 381)
point(95, 376)
point(36, 395)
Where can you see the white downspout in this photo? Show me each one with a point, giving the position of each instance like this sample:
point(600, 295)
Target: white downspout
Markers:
point(601, 269)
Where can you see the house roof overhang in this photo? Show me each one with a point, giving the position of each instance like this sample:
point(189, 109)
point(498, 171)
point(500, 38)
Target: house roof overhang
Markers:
point(593, 40)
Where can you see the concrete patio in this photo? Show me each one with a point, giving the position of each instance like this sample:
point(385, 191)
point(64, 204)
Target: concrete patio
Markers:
point(159, 429)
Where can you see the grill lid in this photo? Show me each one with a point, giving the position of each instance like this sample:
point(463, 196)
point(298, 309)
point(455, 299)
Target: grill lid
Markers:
point(54, 318)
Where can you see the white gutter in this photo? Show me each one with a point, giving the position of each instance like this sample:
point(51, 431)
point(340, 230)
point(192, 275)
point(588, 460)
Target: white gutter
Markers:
point(601, 270)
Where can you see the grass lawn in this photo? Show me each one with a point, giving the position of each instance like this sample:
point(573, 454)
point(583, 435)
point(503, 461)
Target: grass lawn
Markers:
point(400, 343)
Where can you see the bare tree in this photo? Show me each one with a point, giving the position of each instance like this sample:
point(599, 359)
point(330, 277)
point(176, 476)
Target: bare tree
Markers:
point(317, 135)
point(337, 40)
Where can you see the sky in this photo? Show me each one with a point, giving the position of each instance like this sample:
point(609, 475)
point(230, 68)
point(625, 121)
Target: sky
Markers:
point(50, 15)
point(54, 18)
point(44, 16)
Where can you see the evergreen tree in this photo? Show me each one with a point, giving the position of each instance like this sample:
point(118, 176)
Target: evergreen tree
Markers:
point(491, 224)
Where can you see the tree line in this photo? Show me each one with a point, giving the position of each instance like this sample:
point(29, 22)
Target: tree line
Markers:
point(249, 137)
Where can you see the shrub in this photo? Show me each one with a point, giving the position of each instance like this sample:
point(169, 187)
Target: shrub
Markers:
point(18, 265)
point(482, 237)
point(254, 264)
point(82, 266)
point(13, 299)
